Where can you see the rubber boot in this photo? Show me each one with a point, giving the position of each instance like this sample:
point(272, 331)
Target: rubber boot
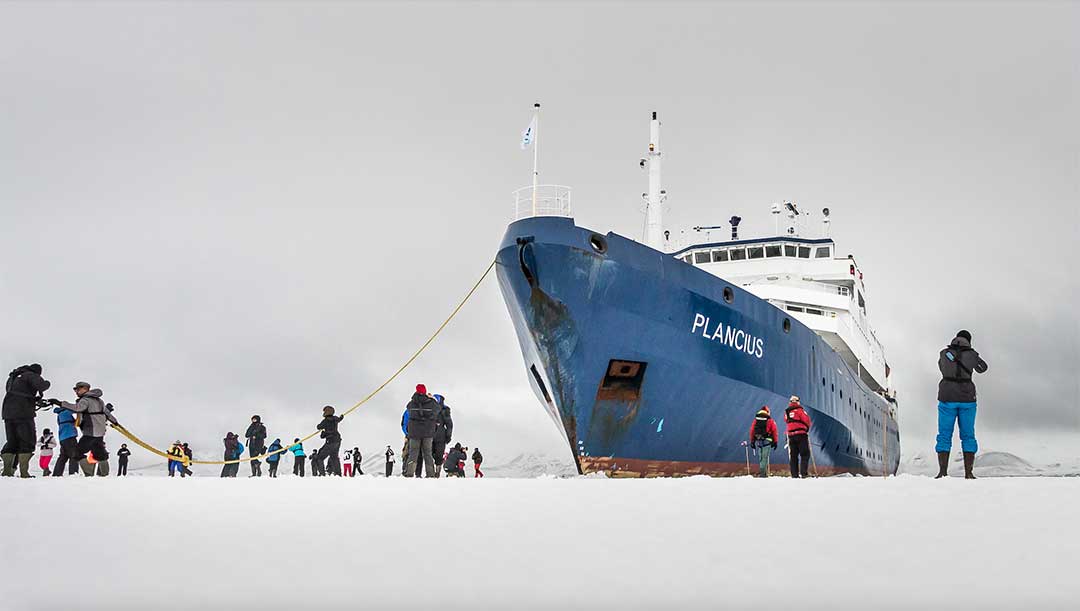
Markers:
point(969, 465)
point(24, 465)
point(87, 468)
point(103, 468)
point(9, 464)
point(943, 464)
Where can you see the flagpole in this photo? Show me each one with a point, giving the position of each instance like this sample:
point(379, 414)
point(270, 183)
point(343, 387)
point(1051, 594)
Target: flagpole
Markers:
point(536, 155)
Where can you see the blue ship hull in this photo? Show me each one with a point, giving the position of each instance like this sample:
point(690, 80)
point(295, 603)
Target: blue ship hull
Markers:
point(648, 370)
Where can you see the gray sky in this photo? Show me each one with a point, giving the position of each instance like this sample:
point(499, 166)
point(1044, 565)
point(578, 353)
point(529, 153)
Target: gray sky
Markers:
point(224, 209)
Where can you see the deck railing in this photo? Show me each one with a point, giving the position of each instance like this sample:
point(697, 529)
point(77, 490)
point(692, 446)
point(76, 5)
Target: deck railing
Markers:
point(550, 200)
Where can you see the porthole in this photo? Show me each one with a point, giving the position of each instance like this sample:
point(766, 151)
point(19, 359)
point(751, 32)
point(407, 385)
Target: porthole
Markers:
point(787, 325)
point(823, 381)
point(832, 387)
point(841, 394)
point(598, 243)
point(729, 295)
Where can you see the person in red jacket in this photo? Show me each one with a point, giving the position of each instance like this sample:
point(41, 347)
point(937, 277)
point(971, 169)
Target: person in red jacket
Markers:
point(798, 434)
point(763, 436)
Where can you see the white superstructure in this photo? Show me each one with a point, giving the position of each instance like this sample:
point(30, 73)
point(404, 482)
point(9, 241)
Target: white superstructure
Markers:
point(807, 278)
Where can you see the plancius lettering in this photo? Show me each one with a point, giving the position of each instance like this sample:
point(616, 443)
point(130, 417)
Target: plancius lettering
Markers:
point(736, 339)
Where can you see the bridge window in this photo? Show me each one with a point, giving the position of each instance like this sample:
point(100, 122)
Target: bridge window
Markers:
point(719, 255)
point(804, 252)
point(822, 252)
point(738, 254)
point(756, 252)
point(772, 251)
point(813, 311)
point(792, 308)
point(689, 259)
point(701, 257)
point(789, 250)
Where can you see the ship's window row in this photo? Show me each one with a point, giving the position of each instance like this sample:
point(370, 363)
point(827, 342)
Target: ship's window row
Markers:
point(768, 251)
point(809, 310)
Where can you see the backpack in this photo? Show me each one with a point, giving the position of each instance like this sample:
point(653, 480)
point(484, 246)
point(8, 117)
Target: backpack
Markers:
point(761, 428)
point(239, 448)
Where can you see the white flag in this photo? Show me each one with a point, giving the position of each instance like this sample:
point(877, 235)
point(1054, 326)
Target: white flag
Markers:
point(529, 133)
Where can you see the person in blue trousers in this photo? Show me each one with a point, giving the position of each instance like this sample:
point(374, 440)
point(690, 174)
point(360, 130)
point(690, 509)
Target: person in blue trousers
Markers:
point(957, 401)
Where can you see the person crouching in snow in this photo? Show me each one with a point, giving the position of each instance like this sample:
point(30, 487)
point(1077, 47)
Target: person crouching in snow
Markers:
point(798, 434)
point(330, 449)
point(274, 458)
point(763, 435)
point(455, 461)
point(46, 445)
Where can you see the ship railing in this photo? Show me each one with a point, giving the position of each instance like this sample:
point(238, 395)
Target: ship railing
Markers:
point(808, 285)
point(549, 200)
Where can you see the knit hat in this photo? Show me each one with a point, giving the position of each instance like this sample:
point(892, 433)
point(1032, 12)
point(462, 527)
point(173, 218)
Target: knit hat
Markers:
point(964, 333)
point(764, 408)
point(421, 389)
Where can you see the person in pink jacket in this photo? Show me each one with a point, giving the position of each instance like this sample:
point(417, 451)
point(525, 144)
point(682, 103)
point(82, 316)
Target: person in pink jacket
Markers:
point(46, 444)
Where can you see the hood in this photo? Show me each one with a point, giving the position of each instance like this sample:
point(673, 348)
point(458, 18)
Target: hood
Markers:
point(960, 342)
point(93, 392)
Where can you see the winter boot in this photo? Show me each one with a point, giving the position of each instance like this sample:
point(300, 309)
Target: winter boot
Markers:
point(103, 468)
point(87, 468)
point(45, 473)
point(9, 464)
point(943, 464)
point(24, 465)
point(969, 464)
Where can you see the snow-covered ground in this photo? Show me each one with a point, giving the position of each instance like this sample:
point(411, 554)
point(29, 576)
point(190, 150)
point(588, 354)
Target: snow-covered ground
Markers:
point(838, 543)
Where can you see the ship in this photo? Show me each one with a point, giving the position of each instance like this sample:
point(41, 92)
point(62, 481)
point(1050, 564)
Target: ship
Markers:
point(652, 358)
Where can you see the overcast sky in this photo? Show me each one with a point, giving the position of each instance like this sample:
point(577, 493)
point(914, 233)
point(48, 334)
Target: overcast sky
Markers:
point(216, 210)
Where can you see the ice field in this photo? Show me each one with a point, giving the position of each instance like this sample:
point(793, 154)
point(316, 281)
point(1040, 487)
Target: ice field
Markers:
point(837, 543)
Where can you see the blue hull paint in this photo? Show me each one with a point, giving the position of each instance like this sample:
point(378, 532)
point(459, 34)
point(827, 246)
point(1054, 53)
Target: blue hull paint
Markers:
point(575, 310)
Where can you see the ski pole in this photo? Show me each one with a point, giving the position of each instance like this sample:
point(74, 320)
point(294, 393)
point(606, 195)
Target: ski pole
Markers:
point(812, 461)
point(747, 450)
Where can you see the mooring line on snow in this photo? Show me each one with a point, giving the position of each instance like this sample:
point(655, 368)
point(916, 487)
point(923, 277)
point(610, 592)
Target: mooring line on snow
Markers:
point(186, 461)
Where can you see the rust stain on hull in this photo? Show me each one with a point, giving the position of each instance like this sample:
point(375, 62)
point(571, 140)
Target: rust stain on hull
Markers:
point(638, 468)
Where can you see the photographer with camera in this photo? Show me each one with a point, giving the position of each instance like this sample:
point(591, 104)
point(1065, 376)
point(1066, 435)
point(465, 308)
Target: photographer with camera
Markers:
point(94, 415)
point(21, 398)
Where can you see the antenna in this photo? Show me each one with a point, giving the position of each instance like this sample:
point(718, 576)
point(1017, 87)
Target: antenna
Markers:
point(654, 199)
point(776, 209)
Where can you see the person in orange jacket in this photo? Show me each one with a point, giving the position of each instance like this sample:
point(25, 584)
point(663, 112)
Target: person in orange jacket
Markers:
point(763, 436)
point(798, 434)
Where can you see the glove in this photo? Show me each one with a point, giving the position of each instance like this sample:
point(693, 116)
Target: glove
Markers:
point(54, 401)
point(774, 445)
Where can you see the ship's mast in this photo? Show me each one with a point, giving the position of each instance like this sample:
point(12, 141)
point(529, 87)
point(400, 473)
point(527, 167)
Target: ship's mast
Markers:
point(654, 199)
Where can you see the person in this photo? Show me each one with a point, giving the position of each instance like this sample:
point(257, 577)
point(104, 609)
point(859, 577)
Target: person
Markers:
point(69, 443)
point(957, 402)
point(274, 458)
point(256, 438)
point(356, 460)
point(329, 432)
point(23, 390)
point(122, 460)
point(190, 457)
point(348, 464)
point(233, 451)
point(477, 458)
point(404, 454)
point(94, 415)
point(455, 461)
point(420, 429)
point(763, 436)
point(444, 431)
point(297, 450)
point(45, 444)
point(798, 434)
point(317, 467)
point(176, 464)
point(389, 461)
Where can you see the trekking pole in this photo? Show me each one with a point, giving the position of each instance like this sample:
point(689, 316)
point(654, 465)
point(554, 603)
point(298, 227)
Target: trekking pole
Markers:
point(812, 461)
point(746, 447)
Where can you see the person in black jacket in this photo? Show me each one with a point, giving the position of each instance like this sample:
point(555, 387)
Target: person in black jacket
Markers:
point(957, 362)
point(232, 452)
point(256, 438)
point(444, 431)
point(356, 460)
point(190, 456)
point(23, 390)
point(477, 460)
point(420, 430)
point(389, 461)
point(330, 449)
point(317, 467)
point(122, 456)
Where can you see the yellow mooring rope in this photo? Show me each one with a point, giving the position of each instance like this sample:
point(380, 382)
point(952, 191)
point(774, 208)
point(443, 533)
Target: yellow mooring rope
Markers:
point(185, 460)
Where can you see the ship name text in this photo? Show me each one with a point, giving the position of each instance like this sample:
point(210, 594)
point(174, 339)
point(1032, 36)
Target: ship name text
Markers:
point(729, 336)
